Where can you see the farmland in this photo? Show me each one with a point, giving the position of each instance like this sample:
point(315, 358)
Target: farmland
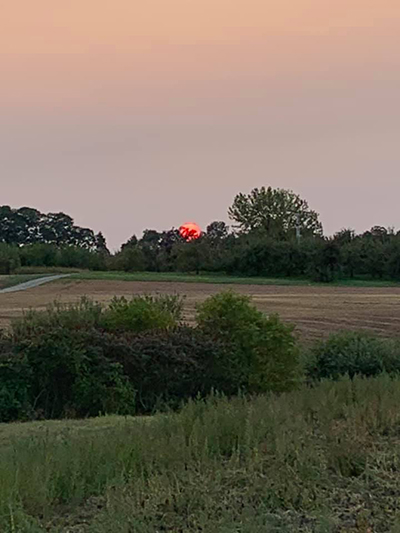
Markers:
point(316, 310)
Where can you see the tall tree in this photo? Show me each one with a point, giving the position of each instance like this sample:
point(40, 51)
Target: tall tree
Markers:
point(101, 244)
point(276, 212)
point(29, 226)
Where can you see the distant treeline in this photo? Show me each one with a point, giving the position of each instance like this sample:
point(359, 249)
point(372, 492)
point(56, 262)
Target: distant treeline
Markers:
point(275, 235)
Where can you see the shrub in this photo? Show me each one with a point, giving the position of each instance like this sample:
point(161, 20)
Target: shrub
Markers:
point(264, 355)
point(37, 255)
point(69, 375)
point(9, 259)
point(353, 353)
point(165, 367)
point(15, 379)
point(143, 313)
point(84, 314)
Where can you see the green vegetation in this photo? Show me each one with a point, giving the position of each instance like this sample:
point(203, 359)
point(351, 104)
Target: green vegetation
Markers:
point(244, 434)
point(222, 279)
point(135, 356)
point(11, 281)
point(277, 237)
point(353, 353)
point(263, 354)
point(314, 460)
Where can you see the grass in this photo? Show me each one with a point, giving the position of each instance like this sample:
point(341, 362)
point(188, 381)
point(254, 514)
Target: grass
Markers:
point(29, 273)
point(316, 460)
point(223, 279)
point(11, 281)
point(47, 270)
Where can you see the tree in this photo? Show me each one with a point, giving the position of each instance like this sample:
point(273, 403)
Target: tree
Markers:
point(217, 230)
point(9, 259)
point(101, 244)
point(130, 243)
point(28, 226)
point(277, 212)
point(344, 236)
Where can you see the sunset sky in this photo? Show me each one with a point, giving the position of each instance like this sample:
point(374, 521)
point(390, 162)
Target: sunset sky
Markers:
point(131, 114)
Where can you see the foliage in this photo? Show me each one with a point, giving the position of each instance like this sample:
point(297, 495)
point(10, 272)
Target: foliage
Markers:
point(265, 245)
point(314, 460)
point(14, 383)
point(129, 259)
point(9, 259)
point(29, 226)
point(70, 377)
point(264, 355)
point(165, 367)
point(277, 212)
point(353, 353)
point(142, 313)
point(324, 261)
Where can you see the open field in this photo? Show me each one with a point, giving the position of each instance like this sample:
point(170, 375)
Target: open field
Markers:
point(10, 281)
point(315, 310)
point(223, 279)
point(322, 460)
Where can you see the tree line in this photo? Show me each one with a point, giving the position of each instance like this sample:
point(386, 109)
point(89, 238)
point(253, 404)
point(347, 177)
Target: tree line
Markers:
point(274, 234)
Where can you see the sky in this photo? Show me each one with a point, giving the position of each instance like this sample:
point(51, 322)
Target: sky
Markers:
point(131, 114)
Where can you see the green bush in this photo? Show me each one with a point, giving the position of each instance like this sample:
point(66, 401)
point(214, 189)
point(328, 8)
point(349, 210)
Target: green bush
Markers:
point(71, 377)
point(353, 353)
point(143, 313)
point(136, 356)
point(264, 354)
point(38, 255)
point(165, 367)
point(15, 379)
point(9, 259)
point(85, 314)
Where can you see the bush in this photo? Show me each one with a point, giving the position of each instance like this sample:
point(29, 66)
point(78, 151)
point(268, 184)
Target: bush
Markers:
point(38, 255)
point(84, 314)
point(164, 367)
point(9, 259)
point(264, 355)
point(143, 313)
point(15, 379)
point(70, 376)
point(353, 353)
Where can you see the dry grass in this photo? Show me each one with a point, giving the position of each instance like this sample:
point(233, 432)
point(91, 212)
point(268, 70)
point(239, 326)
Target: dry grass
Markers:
point(322, 460)
point(315, 310)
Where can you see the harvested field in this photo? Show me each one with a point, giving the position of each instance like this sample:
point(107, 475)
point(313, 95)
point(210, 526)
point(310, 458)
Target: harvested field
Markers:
point(316, 311)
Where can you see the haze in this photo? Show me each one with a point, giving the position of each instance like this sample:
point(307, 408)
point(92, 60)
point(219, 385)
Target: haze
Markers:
point(130, 115)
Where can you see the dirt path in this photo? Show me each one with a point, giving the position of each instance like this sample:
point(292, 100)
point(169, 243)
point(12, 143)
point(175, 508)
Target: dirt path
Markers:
point(314, 310)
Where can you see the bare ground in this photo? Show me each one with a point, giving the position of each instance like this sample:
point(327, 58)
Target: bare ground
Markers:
point(315, 311)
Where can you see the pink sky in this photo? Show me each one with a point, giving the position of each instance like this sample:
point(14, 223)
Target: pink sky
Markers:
point(131, 115)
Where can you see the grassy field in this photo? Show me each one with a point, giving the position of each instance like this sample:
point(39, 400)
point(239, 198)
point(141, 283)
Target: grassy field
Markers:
point(316, 460)
point(224, 279)
point(10, 281)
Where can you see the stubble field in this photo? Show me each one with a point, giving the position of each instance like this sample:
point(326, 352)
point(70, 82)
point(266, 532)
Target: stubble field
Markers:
point(315, 311)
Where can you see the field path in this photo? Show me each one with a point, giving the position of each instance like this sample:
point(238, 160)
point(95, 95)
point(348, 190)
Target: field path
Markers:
point(315, 310)
point(33, 283)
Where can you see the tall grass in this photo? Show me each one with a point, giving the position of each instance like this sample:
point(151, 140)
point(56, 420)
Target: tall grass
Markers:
point(316, 459)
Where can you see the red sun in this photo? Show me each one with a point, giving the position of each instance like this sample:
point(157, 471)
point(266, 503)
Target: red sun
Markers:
point(190, 231)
